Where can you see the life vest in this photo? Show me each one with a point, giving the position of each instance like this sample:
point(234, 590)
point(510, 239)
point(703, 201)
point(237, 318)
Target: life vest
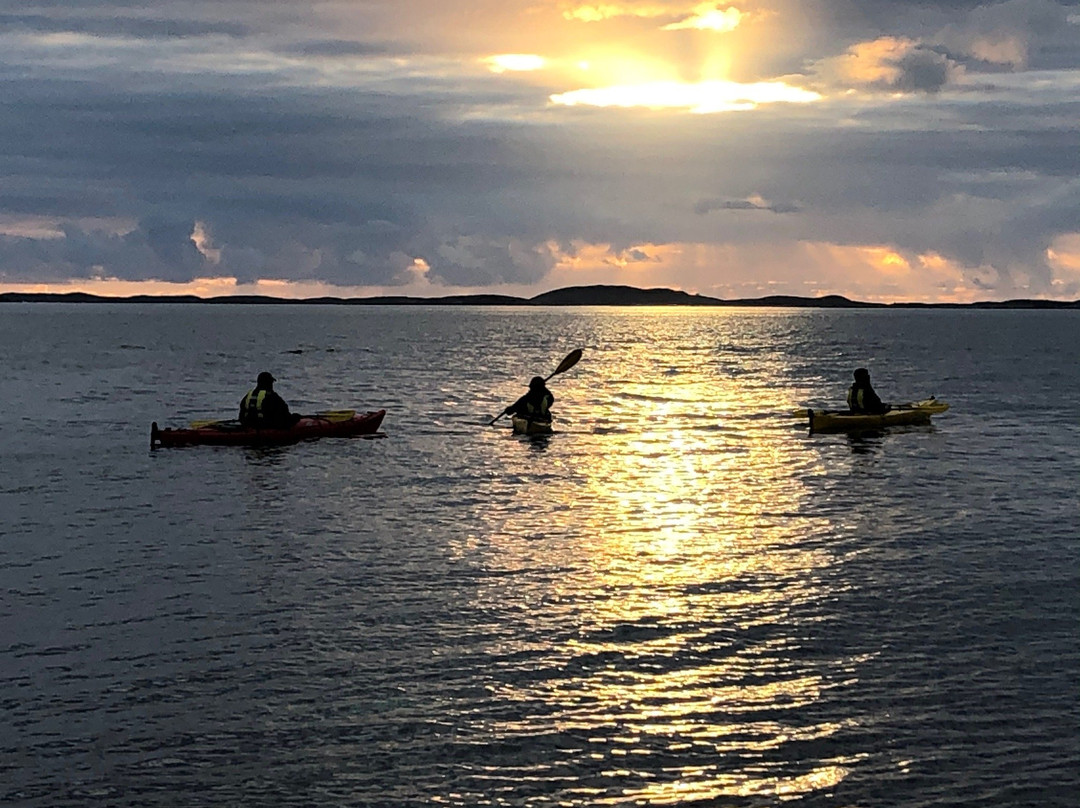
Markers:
point(253, 406)
point(539, 410)
point(855, 398)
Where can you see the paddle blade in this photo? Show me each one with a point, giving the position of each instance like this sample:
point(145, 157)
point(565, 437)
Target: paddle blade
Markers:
point(571, 359)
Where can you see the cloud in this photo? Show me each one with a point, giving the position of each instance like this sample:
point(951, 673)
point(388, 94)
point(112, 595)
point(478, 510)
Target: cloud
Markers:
point(703, 16)
point(517, 62)
point(638, 256)
point(336, 47)
point(595, 12)
point(156, 248)
point(1013, 33)
point(891, 64)
point(473, 261)
point(708, 17)
point(754, 202)
point(111, 26)
point(702, 97)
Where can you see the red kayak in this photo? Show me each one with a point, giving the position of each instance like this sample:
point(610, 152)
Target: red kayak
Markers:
point(231, 433)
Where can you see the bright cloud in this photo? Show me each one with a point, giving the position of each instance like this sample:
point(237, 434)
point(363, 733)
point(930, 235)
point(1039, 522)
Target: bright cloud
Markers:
point(707, 17)
point(1064, 256)
point(704, 97)
point(204, 244)
point(702, 16)
point(515, 62)
point(607, 11)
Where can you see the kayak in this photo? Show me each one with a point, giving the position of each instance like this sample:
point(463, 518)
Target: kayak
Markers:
point(525, 426)
point(231, 433)
point(915, 412)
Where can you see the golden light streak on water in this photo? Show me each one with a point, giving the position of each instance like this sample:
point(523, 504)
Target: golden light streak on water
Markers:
point(673, 614)
point(735, 785)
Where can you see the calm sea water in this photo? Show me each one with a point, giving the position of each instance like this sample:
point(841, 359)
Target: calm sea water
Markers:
point(681, 598)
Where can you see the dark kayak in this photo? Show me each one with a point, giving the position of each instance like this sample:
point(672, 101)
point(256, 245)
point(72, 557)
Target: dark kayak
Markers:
point(231, 433)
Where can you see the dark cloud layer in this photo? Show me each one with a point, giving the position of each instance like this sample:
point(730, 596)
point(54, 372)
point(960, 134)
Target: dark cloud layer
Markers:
point(145, 28)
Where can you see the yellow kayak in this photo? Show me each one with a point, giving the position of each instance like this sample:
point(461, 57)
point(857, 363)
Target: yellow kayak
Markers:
point(914, 412)
point(526, 426)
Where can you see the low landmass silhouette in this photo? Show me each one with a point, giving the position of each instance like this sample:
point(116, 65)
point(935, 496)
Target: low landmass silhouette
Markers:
point(599, 295)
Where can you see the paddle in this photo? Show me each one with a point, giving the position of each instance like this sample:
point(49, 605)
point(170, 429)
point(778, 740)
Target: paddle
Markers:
point(571, 359)
point(329, 415)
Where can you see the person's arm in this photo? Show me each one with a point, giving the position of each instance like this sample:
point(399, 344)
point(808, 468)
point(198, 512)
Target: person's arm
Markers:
point(871, 401)
point(516, 407)
point(275, 410)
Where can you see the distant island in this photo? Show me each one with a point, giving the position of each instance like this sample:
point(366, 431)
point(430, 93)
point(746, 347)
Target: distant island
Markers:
point(599, 295)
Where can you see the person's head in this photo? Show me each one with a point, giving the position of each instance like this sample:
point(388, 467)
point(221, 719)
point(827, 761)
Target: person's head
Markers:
point(536, 383)
point(265, 381)
point(862, 375)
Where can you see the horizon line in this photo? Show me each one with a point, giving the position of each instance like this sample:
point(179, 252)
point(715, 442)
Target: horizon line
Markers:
point(590, 295)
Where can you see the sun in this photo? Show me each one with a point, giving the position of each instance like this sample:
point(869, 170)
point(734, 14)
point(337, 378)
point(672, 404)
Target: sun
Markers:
point(683, 57)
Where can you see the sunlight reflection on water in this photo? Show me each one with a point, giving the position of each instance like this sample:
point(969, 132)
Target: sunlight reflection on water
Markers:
point(679, 582)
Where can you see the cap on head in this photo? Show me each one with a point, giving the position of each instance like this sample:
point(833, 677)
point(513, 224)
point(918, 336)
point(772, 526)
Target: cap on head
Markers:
point(537, 383)
point(265, 379)
point(862, 373)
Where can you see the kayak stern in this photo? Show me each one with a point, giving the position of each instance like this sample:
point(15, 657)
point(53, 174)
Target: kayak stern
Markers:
point(525, 426)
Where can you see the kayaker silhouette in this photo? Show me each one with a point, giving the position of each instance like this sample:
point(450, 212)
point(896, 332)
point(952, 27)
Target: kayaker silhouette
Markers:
point(861, 397)
point(535, 404)
point(262, 408)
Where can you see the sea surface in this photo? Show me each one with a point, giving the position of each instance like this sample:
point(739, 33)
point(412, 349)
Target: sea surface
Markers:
point(680, 598)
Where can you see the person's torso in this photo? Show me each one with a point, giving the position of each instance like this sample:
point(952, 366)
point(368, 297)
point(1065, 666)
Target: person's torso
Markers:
point(538, 404)
point(263, 407)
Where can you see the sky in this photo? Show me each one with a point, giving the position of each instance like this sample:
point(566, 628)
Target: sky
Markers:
point(882, 150)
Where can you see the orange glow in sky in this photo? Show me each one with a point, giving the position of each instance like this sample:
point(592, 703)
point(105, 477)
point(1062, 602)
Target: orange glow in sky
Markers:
point(715, 270)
